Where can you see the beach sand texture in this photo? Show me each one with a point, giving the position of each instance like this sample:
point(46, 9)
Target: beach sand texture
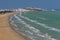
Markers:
point(6, 33)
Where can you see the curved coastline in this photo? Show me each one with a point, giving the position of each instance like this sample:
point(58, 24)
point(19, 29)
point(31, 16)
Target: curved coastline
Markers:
point(16, 27)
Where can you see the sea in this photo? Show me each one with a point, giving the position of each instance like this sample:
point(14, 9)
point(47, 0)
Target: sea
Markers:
point(45, 22)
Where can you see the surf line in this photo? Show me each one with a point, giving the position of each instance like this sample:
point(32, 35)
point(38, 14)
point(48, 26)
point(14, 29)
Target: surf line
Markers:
point(42, 18)
point(44, 25)
point(11, 21)
point(32, 28)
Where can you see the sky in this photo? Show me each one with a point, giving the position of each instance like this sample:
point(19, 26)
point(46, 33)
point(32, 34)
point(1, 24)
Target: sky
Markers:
point(48, 4)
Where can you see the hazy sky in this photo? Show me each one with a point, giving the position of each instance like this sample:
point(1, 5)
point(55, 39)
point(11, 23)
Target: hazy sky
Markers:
point(30, 3)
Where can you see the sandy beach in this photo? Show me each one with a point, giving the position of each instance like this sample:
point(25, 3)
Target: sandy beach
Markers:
point(6, 33)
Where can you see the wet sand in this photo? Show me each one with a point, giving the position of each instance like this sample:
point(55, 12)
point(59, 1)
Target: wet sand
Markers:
point(6, 33)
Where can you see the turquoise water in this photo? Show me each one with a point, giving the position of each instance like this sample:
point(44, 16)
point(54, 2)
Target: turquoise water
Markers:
point(45, 21)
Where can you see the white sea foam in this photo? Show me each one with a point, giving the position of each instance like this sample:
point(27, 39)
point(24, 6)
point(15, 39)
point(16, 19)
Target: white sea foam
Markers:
point(30, 27)
point(12, 22)
point(27, 25)
point(44, 25)
point(39, 17)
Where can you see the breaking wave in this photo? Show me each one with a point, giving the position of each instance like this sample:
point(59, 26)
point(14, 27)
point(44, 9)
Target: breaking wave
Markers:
point(44, 25)
point(32, 28)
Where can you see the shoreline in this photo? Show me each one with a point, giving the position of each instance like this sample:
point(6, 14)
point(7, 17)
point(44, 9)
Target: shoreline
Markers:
point(5, 31)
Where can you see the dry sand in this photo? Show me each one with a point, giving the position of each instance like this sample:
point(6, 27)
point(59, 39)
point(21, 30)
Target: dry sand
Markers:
point(6, 33)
